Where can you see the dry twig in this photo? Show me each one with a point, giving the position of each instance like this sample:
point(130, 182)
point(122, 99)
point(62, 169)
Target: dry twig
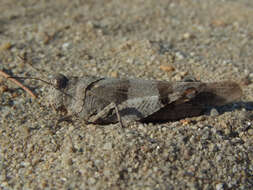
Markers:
point(18, 83)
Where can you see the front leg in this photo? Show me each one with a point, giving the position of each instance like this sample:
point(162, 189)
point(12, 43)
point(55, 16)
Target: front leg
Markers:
point(104, 113)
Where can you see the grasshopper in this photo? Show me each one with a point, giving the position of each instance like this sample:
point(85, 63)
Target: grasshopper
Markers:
point(111, 100)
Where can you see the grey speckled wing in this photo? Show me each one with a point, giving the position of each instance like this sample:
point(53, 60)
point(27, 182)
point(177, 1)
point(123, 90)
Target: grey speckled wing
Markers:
point(137, 98)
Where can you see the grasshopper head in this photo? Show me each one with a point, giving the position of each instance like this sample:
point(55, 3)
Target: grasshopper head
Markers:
point(57, 91)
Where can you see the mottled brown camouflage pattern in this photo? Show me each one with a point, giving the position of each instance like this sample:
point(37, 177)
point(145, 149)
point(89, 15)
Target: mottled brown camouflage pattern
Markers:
point(137, 99)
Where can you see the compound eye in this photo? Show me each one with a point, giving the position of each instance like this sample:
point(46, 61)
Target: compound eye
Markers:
point(60, 81)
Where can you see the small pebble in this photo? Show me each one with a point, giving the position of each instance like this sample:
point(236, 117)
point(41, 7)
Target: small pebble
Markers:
point(114, 74)
point(251, 75)
point(5, 46)
point(219, 186)
point(108, 146)
point(167, 68)
point(3, 88)
point(218, 23)
point(180, 56)
point(214, 112)
point(65, 46)
point(187, 36)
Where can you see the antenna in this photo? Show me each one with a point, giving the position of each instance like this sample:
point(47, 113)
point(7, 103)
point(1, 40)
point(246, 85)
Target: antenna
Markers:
point(24, 59)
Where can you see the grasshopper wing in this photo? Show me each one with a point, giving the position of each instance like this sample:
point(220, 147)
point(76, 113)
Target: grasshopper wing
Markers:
point(138, 99)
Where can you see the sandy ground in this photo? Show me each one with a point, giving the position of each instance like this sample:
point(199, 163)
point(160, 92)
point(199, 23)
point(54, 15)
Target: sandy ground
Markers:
point(210, 40)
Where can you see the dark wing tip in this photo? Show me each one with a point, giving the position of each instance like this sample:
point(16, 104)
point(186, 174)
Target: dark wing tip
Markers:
point(220, 93)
